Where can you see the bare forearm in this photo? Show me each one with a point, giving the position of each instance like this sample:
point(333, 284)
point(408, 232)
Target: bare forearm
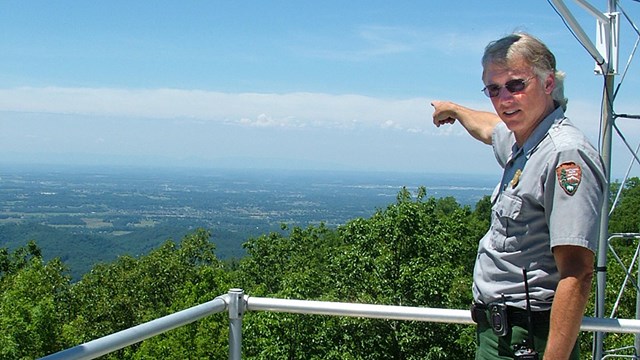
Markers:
point(567, 311)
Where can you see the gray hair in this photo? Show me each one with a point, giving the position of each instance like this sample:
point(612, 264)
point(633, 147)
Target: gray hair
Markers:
point(524, 46)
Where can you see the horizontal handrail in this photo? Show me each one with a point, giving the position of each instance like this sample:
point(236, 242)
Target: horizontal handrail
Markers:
point(124, 338)
point(119, 340)
point(394, 312)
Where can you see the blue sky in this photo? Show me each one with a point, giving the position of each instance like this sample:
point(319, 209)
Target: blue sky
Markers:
point(296, 84)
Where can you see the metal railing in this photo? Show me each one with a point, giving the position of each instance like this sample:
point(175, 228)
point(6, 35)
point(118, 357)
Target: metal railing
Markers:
point(124, 338)
point(237, 303)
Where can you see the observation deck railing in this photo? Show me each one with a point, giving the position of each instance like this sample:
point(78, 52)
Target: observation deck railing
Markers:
point(236, 302)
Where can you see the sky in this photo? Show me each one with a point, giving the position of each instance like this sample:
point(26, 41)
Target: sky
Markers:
point(332, 85)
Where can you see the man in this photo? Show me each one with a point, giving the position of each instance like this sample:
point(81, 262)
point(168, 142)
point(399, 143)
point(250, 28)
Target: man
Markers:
point(545, 210)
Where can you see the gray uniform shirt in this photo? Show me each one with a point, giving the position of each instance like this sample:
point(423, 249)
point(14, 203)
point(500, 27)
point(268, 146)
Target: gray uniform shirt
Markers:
point(550, 194)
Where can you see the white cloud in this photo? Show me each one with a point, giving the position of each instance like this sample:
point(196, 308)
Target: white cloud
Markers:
point(352, 130)
point(292, 110)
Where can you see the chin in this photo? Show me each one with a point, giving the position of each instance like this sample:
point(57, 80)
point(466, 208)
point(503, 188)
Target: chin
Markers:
point(513, 125)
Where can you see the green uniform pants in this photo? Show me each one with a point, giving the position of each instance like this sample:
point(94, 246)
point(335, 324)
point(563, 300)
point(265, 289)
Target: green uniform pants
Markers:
point(492, 347)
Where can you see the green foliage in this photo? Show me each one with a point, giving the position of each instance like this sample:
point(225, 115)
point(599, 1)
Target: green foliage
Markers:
point(42, 312)
point(81, 251)
point(415, 252)
point(130, 291)
point(626, 217)
point(294, 266)
point(34, 303)
point(418, 251)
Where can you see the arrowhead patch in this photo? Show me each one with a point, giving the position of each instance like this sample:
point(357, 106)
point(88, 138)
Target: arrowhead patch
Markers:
point(569, 176)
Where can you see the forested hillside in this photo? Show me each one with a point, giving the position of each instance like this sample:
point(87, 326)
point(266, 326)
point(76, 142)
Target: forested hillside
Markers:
point(86, 216)
point(417, 251)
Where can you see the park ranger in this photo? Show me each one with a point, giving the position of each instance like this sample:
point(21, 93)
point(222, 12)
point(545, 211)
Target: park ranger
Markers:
point(545, 210)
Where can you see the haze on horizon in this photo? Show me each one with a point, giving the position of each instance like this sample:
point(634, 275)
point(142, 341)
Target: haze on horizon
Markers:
point(331, 85)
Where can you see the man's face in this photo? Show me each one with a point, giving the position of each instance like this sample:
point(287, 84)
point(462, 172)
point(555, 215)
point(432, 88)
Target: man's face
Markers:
point(521, 110)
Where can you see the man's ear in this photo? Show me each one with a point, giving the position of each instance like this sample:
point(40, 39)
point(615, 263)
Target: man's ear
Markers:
point(549, 84)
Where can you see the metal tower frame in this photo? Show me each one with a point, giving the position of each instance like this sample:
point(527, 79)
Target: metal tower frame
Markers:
point(605, 54)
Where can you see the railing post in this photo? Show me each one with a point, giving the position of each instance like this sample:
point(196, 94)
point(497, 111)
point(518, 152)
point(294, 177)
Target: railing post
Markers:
point(237, 307)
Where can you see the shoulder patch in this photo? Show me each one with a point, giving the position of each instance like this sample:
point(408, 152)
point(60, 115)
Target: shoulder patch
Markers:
point(569, 176)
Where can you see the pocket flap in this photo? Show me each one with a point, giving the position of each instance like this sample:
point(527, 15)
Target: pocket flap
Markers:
point(508, 206)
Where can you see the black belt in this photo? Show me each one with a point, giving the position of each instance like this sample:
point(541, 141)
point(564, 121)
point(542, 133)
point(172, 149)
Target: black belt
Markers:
point(515, 316)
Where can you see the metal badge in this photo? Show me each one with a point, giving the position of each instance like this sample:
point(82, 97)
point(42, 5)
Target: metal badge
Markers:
point(516, 178)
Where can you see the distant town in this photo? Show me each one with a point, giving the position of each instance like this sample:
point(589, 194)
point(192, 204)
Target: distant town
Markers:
point(88, 215)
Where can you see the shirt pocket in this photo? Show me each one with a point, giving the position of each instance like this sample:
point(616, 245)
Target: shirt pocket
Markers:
point(507, 225)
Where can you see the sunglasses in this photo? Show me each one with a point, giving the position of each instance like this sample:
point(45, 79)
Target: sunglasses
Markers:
point(513, 86)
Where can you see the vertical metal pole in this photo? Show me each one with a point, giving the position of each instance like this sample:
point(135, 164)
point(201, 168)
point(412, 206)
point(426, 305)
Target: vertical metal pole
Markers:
point(237, 306)
point(607, 113)
point(636, 340)
point(607, 129)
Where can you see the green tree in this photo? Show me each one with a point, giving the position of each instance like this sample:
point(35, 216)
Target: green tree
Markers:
point(294, 266)
point(130, 291)
point(626, 217)
point(415, 252)
point(34, 303)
